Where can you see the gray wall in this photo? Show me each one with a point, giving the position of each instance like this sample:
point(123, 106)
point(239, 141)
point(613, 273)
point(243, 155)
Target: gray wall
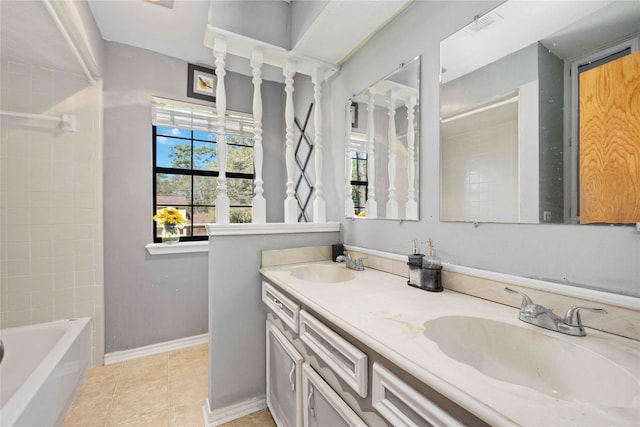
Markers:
point(236, 315)
point(493, 80)
point(151, 299)
point(603, 257)
point(551, 112)
point(303, 13)
point(266, 20)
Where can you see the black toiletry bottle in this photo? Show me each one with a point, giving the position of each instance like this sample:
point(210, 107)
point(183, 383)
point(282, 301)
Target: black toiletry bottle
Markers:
point(415, 266)
point(432, 270)
point(336, 251)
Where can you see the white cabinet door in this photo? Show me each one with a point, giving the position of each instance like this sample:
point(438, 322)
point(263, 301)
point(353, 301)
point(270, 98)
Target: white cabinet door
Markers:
point(321, 406)
point(284, 378)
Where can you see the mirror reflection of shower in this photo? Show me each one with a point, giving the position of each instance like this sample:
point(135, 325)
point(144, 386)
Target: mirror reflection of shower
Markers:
point(509, 108)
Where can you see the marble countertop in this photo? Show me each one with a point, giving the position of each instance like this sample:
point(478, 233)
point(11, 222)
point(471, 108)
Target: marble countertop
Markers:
point(389, 316)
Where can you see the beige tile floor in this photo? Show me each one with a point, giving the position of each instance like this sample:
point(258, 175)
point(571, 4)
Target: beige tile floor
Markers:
point(165, 389)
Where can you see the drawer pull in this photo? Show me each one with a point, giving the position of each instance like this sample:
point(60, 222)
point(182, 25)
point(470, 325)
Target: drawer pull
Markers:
point(309, 405)
point(293, 383)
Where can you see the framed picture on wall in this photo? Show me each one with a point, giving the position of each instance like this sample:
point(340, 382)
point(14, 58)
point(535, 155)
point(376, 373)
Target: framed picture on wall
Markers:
point(201, 83)
point(353, 110)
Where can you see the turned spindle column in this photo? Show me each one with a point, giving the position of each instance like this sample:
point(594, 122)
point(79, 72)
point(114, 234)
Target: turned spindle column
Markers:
point(411, 206)
point(259, 204)
point(392, 203)
point(222, 200)
point(319, 206)
point(349, 208)
point(371, 207)
point(290, 203)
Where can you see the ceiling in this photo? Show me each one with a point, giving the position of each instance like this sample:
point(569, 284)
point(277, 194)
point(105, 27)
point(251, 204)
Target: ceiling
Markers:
point(176, 32)
point(29, 35)
point(340, 27)
point(568, 29)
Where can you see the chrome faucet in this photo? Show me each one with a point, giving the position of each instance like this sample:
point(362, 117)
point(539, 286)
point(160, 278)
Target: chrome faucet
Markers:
point(545, 318)
point(356, 264)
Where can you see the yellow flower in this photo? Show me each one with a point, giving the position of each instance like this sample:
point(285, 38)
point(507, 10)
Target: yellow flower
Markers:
point(169, 215)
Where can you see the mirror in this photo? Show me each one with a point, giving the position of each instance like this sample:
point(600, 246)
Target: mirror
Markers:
point(509, 118)
point(381, 148)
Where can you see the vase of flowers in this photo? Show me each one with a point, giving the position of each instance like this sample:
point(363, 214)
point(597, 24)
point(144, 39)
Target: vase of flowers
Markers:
point(171, 221)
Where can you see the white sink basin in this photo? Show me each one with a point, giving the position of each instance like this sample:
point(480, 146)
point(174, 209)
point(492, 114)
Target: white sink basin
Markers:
point(559, 368)
point(323, 273)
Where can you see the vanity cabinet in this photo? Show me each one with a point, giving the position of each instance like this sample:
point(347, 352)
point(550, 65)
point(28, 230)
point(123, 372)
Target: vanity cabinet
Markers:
point(284, 367)
point(318, 376)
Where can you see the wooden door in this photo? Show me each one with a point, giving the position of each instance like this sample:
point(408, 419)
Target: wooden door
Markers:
point(610, 142)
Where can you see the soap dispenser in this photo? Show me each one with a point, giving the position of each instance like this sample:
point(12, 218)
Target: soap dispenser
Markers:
point(415, 266)
point(431, 270)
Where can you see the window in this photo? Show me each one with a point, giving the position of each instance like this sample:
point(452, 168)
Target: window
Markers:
point(185, 166)
point(359, 185)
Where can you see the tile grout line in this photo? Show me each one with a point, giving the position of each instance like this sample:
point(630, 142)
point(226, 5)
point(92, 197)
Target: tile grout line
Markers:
point(113, 396)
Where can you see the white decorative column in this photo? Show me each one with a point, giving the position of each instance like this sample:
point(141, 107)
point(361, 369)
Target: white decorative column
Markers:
point(222, 201)
point(259, 204)
point(349, 208)
point(319, 205)
point(411, 207)
point(392, 203)
point(290, 203)
point(371, 207)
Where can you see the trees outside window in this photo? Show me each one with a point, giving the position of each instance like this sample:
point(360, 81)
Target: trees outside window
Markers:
point(185, 167)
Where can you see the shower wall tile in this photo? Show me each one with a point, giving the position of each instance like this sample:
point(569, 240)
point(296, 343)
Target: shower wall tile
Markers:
point(42, 314)
point(50, 201)
point(17, 318)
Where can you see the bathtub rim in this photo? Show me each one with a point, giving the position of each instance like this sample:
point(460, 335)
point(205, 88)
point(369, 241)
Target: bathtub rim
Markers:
point(15, 406)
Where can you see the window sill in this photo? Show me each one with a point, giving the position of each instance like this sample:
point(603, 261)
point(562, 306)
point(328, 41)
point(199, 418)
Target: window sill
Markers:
point(178, 248)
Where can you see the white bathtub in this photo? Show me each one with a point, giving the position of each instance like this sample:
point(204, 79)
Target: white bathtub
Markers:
point(43, 368)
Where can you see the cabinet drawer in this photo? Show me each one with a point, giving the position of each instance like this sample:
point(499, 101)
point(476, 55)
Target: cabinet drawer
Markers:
point(344, 358)
point(321, 406)
point(282, 306)
point(401, 405)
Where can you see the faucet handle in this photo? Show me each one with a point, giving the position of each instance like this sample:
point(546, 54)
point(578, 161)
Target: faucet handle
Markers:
point(572, 318)
point(525, 298)
point(360, 261)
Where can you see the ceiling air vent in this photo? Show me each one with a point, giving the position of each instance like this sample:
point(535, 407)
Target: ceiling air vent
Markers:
point(481, 22)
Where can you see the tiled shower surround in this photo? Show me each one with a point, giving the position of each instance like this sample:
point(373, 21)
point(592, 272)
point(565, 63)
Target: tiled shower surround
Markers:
point(51, 201)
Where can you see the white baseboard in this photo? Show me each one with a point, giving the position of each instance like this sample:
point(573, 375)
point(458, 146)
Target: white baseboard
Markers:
point(134, 353)
point(230, 413)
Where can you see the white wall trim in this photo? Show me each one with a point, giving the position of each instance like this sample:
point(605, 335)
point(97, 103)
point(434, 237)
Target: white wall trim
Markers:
point(270, 228)
point(617, 300)
point(232, 412)
point(178, 248)
point(135, 353)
